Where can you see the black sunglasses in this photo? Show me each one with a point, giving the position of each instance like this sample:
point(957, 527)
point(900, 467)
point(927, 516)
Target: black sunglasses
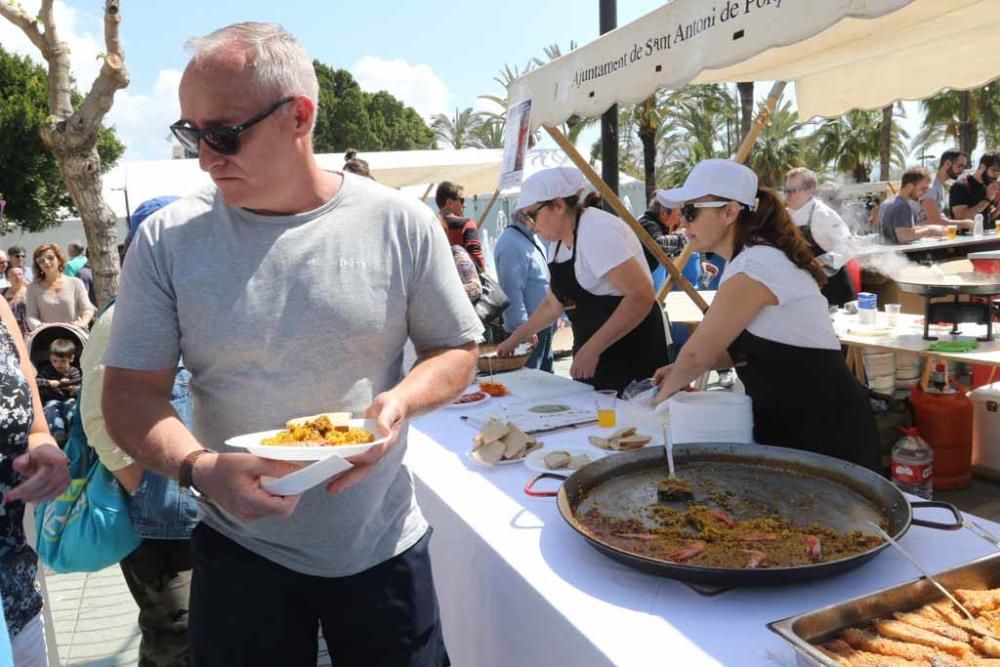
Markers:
point(222, 140)
point(690, 211)
point(530, 217)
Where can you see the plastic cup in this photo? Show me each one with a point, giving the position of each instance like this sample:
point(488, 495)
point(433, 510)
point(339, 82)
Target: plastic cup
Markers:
point(607, 403)
point(952, 232)
point(892, 310)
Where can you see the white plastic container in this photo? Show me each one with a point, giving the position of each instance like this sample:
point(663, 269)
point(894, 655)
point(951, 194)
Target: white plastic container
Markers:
point(986, 426)
point(711, 416)
point(880, 364)
point(908, 366)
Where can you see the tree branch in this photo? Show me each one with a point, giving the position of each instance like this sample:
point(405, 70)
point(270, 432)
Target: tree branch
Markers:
point(48, 20)
point(27, 24)
point(113, 75)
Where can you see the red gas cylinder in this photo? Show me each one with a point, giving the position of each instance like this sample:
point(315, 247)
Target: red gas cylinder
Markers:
point(945, 422)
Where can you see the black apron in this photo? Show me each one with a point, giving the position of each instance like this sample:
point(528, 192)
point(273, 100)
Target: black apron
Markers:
point(636, 355)
point(806, 398)
point(838, 289)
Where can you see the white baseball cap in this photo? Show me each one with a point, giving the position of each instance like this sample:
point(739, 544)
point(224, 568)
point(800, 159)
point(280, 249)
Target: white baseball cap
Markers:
point(715, 177)
point(549, 184)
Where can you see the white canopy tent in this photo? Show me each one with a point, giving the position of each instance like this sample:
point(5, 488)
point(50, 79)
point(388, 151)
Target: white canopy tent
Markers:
point(410, 171)
point(478, 171)
point(840, 54)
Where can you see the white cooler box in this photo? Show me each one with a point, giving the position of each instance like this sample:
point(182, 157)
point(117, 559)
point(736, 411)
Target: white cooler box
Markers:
point(986, 426)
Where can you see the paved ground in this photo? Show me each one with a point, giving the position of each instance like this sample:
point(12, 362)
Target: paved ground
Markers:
point(95, 618)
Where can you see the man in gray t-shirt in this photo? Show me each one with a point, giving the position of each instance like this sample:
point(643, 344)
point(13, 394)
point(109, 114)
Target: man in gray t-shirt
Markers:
point(290, 291)
point(897, 218)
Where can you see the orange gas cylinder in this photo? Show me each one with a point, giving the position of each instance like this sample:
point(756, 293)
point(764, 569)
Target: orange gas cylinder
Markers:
point(945, 422)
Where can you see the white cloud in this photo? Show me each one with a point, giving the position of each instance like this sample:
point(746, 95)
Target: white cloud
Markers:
point(416, 85)
point(82, 32)
point(142, 121)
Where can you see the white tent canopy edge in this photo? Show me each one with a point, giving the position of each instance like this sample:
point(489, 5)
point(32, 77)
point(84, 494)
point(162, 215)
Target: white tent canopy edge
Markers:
point(840, 54)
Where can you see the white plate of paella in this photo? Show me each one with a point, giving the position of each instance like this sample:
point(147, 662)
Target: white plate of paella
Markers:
point(313, 438)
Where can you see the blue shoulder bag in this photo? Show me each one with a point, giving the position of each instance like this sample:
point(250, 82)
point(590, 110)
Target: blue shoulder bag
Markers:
point(88, 527)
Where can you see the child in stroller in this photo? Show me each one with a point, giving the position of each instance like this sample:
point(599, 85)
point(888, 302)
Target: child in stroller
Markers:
point(55, 350)
point(59, 383)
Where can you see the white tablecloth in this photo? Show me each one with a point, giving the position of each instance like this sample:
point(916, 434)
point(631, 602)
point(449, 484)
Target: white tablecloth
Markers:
point(966, 242)
point(518, 587)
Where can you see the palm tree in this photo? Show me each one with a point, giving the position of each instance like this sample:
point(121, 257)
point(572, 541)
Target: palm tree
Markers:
point(852, 142)
point(490, 133)
point(745, 89)
point(943, 118)
point(885, 142)
point(460, 131)
point(778, 147)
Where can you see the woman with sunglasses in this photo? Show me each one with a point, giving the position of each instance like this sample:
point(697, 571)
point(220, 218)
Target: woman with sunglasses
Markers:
point(769, 320)
point(599, 279)
point(54, 296)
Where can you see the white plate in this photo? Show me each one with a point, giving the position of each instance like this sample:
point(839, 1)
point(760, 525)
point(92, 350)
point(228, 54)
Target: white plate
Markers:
point(536, 459)
point(471, 404)
point(472, 455)
point(252, 443)
point(300, 481)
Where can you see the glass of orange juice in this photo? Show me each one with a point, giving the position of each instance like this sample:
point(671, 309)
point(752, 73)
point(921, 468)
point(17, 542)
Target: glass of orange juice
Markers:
point(607, 400)
point(952, 232)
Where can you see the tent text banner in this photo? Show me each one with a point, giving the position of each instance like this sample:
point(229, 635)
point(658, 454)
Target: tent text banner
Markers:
point(821, 46)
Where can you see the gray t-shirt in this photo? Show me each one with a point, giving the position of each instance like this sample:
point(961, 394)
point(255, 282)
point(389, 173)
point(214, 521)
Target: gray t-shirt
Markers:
point(286, 316)
point(893, 215)
point(935, 194)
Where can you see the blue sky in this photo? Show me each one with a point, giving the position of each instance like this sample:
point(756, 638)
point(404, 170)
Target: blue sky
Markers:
point(435, 55)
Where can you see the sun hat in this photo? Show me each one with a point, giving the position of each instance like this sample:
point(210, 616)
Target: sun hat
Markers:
point(146, 209)
point(716, 177)
point(549, 184)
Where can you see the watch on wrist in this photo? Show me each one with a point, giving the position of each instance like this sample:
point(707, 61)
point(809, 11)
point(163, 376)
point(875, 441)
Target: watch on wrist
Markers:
point(185, 475)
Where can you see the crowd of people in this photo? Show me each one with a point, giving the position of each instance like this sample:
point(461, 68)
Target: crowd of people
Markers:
point(920, 211)
point(226, 296)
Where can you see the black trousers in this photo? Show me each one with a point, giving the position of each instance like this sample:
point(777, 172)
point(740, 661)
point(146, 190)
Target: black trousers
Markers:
point(247, 610)
point(158, 574)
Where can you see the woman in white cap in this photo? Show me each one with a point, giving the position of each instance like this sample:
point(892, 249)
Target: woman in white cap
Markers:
point(599, 279)
point(769, 320)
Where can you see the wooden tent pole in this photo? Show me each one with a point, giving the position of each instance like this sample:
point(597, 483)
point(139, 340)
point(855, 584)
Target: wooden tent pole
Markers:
point(430, 186)
point(489, 205)
point(763, 116)
point(609, 196)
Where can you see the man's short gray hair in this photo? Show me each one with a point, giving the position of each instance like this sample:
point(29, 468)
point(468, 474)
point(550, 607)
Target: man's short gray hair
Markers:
point(277, 62)
point(807, 176)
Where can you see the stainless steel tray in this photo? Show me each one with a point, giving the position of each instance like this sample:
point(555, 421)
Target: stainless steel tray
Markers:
point(820, 625)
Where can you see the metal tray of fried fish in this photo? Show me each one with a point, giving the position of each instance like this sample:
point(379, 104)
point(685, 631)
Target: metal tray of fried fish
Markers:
point(818, 626)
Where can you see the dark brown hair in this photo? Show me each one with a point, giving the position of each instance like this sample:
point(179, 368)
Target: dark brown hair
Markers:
point(590, 200)
point(914, 175)
point(445, 191)
point(61, 348)
point(771, 225)
point(41, 250)
point(356, 165)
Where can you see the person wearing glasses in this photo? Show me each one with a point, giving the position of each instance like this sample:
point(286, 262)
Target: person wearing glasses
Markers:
point(599, 278)
point(825, 232)
point(4, 283)
point(242, 278)
point(15, 257)
point(769, 320)
point(461, 231)
point(977, 192)
point(53, 296)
